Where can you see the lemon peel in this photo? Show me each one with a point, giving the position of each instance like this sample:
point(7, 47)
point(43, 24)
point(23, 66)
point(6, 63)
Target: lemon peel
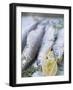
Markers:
point(49, 66)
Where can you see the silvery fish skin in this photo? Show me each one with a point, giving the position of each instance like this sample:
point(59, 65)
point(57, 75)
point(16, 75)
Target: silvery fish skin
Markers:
point(47, 43)
point(58, 47)
point(28, 24)
point(32, 46)
point(45, 22)
point(54, 21)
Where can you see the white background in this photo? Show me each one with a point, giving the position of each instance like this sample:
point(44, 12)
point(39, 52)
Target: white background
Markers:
point(4, 44)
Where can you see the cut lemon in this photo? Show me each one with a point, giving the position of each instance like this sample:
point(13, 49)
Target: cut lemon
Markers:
point(49, 66)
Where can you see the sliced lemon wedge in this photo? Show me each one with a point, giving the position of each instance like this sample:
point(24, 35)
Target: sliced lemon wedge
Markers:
point(49, 66)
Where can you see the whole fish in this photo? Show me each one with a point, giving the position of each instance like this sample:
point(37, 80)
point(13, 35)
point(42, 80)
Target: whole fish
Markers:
point(33, 43)
point(47, 43)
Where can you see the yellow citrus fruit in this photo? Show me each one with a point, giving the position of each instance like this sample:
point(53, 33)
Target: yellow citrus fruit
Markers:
point(49, 66)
